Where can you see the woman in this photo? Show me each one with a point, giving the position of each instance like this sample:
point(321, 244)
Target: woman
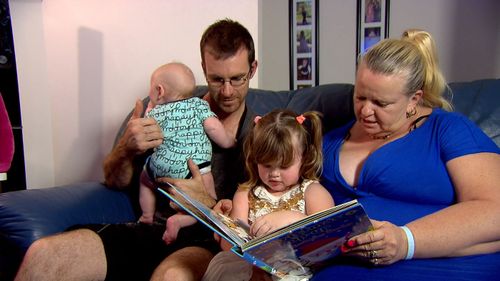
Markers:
point(412, 163)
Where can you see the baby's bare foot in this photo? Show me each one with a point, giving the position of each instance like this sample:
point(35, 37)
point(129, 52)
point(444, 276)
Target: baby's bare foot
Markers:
point(146, 219)
point(170, 234)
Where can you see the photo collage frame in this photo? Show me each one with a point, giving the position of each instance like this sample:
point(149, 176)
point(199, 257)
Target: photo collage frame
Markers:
point(373, 23)
point(303, 43)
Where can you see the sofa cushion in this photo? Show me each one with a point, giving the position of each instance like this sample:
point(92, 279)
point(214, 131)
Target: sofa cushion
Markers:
point(333, 100)
point(52, 210)
point(479, 100)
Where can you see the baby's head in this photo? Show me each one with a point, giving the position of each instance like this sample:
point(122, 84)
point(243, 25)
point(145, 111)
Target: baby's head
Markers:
point(281, 137)
point(171, 82)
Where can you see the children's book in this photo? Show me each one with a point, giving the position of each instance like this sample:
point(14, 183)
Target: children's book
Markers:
point(296, 249)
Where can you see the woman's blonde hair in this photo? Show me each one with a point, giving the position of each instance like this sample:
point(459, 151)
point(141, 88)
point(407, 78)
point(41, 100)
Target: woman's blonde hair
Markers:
point(413, 56)
point(273, 140)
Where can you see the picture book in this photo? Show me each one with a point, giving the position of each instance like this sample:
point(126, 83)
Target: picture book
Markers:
point(296, 249)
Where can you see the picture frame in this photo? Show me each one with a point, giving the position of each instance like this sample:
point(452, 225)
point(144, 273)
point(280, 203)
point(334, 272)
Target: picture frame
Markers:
point(372, 23)
point(304, 56)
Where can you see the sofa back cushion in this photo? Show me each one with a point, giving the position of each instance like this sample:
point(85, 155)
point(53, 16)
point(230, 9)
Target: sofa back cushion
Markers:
point(479, 100)
point(334, 101)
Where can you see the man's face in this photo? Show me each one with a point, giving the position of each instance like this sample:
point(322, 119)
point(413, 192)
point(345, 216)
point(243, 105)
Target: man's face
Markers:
point(227, 97)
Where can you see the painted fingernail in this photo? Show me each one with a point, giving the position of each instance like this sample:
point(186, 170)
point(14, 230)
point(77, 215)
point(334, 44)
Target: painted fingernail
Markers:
point(343, 248)
point(351, 243)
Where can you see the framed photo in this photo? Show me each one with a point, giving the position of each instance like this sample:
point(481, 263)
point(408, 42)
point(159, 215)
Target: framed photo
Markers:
point(303, 43)
point(372, 23)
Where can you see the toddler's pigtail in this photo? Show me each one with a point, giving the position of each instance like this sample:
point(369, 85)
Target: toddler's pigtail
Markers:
point(313, 156)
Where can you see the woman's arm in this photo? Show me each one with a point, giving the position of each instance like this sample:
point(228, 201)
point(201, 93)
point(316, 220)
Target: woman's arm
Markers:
point(471, 226)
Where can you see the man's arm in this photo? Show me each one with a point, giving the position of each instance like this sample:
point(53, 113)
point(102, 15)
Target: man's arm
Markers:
point(141, 134)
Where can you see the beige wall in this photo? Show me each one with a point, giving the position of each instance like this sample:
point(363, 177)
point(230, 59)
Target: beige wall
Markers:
point(467, 34)
point(82, 63)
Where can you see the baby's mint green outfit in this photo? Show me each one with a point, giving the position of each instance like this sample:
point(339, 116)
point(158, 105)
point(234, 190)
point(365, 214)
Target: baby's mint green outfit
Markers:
point(184, 137)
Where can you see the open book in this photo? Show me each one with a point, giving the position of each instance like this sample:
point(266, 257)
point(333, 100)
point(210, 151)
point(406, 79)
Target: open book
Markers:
point(292, 250)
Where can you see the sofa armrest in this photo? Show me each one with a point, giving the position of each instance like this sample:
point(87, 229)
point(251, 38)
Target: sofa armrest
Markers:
point(28, 215)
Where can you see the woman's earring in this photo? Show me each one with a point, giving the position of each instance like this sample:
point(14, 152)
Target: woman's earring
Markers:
point(412, 112)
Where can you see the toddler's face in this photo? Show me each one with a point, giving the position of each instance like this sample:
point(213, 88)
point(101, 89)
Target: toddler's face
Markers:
point(279, 179)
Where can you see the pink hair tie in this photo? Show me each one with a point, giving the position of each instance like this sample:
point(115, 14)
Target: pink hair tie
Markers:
point(256, 119)
point(300, 119)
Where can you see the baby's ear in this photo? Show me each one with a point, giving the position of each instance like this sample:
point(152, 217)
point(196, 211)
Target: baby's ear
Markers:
point(161, 91)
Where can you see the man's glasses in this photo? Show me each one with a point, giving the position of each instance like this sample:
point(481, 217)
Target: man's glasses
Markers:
point(234, 81)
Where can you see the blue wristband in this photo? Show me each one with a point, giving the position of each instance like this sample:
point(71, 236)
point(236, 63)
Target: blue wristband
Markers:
point(410, 242)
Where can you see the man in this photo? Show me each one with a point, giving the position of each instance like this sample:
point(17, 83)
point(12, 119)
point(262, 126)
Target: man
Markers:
point(136, 251)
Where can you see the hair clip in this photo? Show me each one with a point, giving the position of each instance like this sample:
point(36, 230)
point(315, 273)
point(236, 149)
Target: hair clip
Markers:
point(256, 119)
point(300, 119)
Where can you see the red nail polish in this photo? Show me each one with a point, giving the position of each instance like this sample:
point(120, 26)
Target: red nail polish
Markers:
point(343, 248)
point(351, 243)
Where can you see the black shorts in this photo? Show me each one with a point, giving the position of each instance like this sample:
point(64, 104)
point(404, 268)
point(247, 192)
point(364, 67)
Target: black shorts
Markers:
point(134, 250)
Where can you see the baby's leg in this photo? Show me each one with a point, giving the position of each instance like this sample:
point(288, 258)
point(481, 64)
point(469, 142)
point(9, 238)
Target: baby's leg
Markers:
point(174, 223)
point(147, 200)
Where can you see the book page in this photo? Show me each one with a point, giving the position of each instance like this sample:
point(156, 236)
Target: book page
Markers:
point(221, 224)
point(310, 243)
point(305, 221)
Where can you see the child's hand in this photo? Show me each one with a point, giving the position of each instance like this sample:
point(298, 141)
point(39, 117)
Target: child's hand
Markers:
point(270, 222)
point(224, 206)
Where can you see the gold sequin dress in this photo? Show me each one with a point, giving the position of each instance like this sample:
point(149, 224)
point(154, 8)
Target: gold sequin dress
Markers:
point(261, 202)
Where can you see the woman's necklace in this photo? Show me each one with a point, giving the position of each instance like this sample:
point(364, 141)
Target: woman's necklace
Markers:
point(383, 137)
point(413, 126)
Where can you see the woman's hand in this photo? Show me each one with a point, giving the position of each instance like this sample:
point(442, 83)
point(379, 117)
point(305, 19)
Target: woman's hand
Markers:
point(384, 245)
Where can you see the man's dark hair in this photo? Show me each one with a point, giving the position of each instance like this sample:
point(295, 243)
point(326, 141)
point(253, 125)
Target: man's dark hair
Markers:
point(224, 38)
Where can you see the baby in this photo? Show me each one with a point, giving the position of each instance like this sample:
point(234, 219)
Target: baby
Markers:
point(188, 125)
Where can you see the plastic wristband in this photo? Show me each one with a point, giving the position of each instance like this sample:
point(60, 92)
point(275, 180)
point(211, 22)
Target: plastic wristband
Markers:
point(410, 241)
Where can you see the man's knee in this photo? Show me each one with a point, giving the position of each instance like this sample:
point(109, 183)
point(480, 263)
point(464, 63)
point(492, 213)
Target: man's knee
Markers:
point(184, 265)
point(73, 255)
point(39, 247)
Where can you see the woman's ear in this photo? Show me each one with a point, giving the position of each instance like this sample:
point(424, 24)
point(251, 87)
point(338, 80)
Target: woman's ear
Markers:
point(416, 98)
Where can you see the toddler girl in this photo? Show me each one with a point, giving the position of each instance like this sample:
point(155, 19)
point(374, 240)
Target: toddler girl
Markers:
point(283, 158)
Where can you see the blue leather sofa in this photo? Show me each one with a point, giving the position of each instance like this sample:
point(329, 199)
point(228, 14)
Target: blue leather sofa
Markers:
point(31, 214)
